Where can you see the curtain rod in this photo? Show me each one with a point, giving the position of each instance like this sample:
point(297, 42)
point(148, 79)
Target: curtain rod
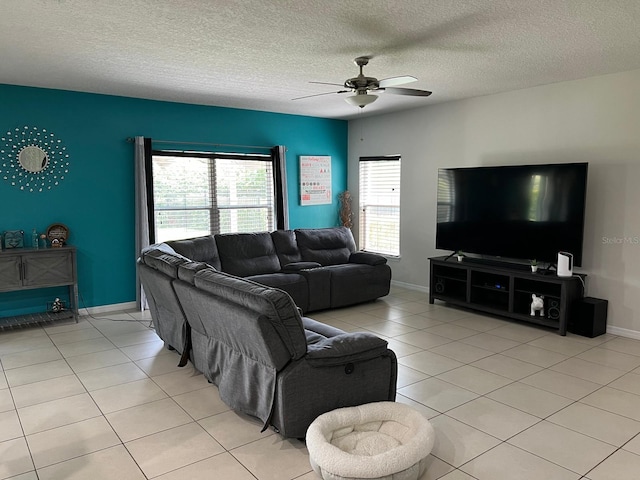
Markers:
point(173, 142)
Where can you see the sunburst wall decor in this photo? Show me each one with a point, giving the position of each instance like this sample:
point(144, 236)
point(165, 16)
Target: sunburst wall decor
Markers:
point(33, 159)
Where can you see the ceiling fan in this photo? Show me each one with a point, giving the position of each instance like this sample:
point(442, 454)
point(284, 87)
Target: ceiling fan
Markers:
point(363, 86)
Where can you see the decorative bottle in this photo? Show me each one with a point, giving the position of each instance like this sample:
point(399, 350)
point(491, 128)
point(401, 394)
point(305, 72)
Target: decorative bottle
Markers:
point(35, 243)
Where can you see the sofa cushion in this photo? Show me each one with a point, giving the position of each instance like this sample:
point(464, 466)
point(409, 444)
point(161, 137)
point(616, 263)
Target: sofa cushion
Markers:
point(188, 271)
point(199, 249)
point(166, 263)
point(245, 254)
point(286, 246)
point(327, 246)
point(297, 266)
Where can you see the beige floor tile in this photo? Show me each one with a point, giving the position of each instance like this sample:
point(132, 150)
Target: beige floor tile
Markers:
point(422, 339)
point(537, 356)
point(596, 423)
point(3, 380)
point(415, 307)
point(530, 399)
point(593, 342)
point(359, 319)
point(457, 443)
point(273, 458)
point(108, 464)
point(621, 465)
point(57, 413)
point(436, 468)
point(74, 440)
point(452, 331)
point(160, 364)
point(417, 321)
point(615, 401)
point(10, 427)
point(37, 373)
point(633, 446)
point(490, 342)
point(134, 338)
point(390, 329)
point(180, 446)
point(436, 394)
point(494, 418)
point(68, 325)
point(559, 344)
point(93, 361)
point(201, 403)
point(474, 379)
point(47, 390)
point(480, 323)
point(224, 466)
point(119, 397)
point(402, 349)
point(611, 358)
point(145, 350)
point(15, 458)
point(10, 344)
point(456, 475)
point(26, 476)
point(140, 316)
point(407, 376)
point(588, 371)
point(75, 336)
point(187, 379)
point(88, 346)
point(429, 363)
point(232, 429)
point(30, 357)
point(507, 366)
point(623, 345)
point(424, 410)
point(111, 328)
point(110, 376)
point(506, 462)
point(564, 447)
point(445, 314)
point(461, 352)
point(519, 332)
point(6, 400)
point(147, 419)
point(561, 384)
point(629, 383)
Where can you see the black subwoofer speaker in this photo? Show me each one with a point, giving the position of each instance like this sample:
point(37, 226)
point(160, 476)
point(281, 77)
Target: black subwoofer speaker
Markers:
point(553, 308)
point(589, 317)
point(440, 285)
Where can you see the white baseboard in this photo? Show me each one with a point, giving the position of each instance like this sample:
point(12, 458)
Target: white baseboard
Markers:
point(108, 308)
point(410, 286)
point(623, 332)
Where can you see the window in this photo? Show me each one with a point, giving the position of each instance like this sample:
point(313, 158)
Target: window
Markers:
point(201, 194)
point(380, 204)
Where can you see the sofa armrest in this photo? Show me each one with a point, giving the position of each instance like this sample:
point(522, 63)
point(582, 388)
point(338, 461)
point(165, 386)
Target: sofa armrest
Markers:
point(295, 267)
point(367, 258)
point(349, 347)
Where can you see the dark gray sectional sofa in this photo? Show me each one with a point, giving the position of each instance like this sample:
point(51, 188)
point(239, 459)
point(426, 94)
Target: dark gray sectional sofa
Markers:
point(250, 339)
point(319, 268)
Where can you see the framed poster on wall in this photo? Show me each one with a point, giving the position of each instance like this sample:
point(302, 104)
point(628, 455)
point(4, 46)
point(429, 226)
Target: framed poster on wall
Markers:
point(315, 180)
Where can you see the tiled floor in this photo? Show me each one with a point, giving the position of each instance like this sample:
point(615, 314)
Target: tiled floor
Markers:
point(102, 399)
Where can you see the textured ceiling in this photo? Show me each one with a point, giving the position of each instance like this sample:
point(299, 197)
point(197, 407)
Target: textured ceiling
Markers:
point(258, 54)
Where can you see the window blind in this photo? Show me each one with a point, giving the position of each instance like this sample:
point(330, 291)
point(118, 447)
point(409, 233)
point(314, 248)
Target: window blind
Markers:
point(380, 204)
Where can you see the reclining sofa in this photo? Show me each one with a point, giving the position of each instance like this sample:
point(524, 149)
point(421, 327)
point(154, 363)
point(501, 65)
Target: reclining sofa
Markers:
point(320, 268)
point(251, 341)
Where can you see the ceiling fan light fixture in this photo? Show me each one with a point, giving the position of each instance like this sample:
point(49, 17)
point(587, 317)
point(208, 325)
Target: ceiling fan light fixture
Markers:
point(361, 99)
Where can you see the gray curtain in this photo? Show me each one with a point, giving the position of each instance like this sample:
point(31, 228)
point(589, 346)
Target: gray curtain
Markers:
point(279, 155)
point(142, 212)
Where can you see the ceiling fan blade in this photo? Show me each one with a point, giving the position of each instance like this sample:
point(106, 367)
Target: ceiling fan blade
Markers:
point(326, 83)
point(319, 94)
point(393, 81)
point(412, 92)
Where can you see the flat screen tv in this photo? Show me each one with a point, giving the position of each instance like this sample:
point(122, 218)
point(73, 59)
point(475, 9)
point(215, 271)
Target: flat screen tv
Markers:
point(514, 212)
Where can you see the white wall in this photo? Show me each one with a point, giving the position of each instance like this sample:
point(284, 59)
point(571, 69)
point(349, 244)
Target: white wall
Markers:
point(596, 120)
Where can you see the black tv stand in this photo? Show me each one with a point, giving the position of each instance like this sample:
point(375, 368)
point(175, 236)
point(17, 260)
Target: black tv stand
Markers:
point(504, 290)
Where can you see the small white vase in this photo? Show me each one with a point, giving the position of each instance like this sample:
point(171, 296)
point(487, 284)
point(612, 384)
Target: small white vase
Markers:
point(534, 268)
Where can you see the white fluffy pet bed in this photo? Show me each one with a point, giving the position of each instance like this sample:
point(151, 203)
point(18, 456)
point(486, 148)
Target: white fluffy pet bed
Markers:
point(383, 441)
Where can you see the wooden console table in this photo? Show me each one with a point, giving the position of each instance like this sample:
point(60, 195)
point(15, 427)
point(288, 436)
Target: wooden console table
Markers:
point(28, 269)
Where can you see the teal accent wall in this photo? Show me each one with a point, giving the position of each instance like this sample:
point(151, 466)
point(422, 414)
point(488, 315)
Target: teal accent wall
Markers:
point(96, 199)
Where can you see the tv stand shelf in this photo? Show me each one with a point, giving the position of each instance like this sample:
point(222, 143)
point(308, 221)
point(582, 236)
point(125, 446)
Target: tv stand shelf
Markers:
point(504, 290)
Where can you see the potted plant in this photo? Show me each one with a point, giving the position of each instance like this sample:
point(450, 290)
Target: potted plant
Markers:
point(534, 265)
point(460, 255)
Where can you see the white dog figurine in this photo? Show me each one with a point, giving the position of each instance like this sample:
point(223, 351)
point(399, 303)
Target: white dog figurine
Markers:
point(537, 304)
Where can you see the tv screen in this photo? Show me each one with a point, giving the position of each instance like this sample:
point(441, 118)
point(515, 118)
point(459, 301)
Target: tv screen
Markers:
point(515, 212)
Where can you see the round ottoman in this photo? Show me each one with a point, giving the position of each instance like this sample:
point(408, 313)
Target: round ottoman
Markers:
point(383, 440)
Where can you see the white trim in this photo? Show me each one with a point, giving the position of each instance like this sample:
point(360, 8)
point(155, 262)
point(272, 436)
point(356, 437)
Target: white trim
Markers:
point(410, 286)
point(115, 307)
point(623, 332)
